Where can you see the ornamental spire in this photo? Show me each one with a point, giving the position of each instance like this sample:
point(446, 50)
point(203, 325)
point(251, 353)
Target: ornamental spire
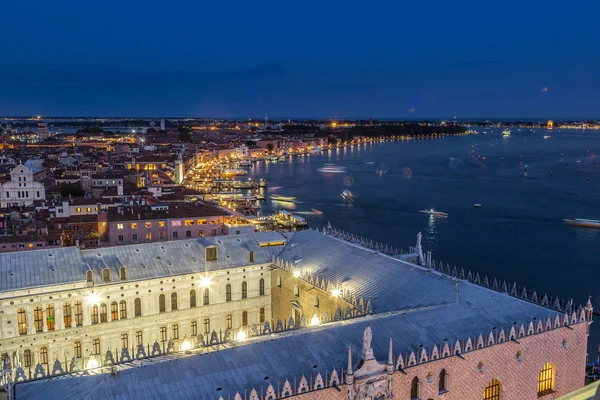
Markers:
point(349, 372)
point(390, 362)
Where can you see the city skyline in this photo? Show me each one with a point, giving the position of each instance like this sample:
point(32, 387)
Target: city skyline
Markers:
point(328, 61)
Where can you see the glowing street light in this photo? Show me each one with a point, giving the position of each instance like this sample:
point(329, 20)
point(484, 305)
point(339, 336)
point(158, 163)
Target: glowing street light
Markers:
point(241, 336)
point(296, 274)
point(92, 363)
point(336, 292)
point(93, 298)
point(315, 320)
point(205, 281)
point(186, 345)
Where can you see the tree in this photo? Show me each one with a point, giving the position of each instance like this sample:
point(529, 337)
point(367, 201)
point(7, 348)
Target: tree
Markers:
point(184, 135)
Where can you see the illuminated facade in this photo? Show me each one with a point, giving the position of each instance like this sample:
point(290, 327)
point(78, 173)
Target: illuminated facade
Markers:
point(21, 190)
point(315, 315)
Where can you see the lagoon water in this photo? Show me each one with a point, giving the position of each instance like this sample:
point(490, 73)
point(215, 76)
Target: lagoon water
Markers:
point(526, 185)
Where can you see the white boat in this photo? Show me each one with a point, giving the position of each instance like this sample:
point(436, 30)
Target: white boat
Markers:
point(506, 132)
point(587, 223)
point(287, 199)
point(332, 169)
point(477, 205)
point(346, 194)
point(431, 211)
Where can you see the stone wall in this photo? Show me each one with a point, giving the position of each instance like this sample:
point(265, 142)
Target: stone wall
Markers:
point(284, 300)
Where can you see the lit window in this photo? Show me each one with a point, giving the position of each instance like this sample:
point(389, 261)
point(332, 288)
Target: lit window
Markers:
point(229, 321)
point(161, 224)
point(189, 222)
point(201, 222)
point(119, 226)
point(148, 237)
point(67, 315)
point(44, 355)
point(214, 221)
point(175, 223)
point(546, 380)
point(22, 321)
point(89, 209)
point(492, 391)
point(175, 331)
point(163, 334)
point(77, 349)
point(134, 225)
point(124, 341)
point(78, 209)
point(194, 328)
point(206, 325)
point(96, 347)
point(139, 338)
point(30, 245)
point(148, 224)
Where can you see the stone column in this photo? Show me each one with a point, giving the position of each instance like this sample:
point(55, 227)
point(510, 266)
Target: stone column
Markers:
point(44, 320)
point(59, 322)
point(87, 319)
point(30, 317)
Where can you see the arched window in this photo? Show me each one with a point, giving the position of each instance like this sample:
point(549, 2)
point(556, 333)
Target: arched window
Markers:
point(114, 311)
point(78, 313)
point(50, 317)
point(173, 301)
point(95, 314)
point(228, 292)
point(22, 320)
point(123, 309)
point(77, 349)
point(443, 382)
point(106, 275)
point(103, 313)
point(262, 315)
point(251, 256)
point(245, 318)
point(415, 387)
point(38, 319)
point(68, 320)
point(244, 290)
point(296, 291)
point(261, 287)
point(206, 298)
point(161, 303)
point(27, 361)
point(122, 274)
point(138, 307)
point(546, 380)
point(44, 355)
point(492, 391)
point(89, 276)
point(317, 301)
point(193, 298)
point(279, 282)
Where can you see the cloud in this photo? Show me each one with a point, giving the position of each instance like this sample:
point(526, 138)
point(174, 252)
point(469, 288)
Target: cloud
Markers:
point(481, 63)
point(545, 89)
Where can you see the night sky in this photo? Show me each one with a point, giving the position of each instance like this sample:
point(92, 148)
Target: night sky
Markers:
point(332, 59)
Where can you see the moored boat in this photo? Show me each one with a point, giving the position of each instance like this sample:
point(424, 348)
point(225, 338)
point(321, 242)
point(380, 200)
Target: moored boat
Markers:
point(289, 199)
point(587, 223)
point(332, 169)
point(431, 211)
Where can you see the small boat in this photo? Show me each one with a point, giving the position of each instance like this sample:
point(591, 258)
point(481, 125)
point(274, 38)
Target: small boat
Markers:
point(477, 205)
point(288, 199)
point(346, 194)
point(332, 169)
point(317, 212)
point(431, 211)
point(506, 132)
point(587, 223)
point(370, 162)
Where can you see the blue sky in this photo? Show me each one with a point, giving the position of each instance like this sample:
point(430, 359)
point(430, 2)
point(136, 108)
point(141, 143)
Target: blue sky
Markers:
point(332, 59)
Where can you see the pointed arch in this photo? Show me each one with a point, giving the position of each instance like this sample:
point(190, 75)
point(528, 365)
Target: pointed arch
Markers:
point(415, 389)
point(493, 390)
point(546, 380)
point(443, 382)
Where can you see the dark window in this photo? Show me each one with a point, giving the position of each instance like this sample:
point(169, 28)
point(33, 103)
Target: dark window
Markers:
point(163, 334)
point(251, 257)
point(206, 325)
point(414, 389)
point(206, 297)
point(122, 274)
point(175, 331)
point(229, 321)
point(124, 341)
point(67, 315)
point(194, 328)
point(44, 355)
point(89, 276)
point(244, 290)
point(96, 347)
point(27, 359)
point(261, 287)
point(443, 382)
point(139, 338)
point(173, 301)
point(106, 275)
point(245, 318)
point(95, 314)
point(193, 298)
point(228, 292)
point(262, 315)
point(138, 307)
point(77, 349)
point(161, 303)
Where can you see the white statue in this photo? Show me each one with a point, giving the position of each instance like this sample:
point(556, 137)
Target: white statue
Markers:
point(367, 337)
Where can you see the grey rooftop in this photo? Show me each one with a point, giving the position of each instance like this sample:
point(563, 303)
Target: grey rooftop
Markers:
point(413, 305)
